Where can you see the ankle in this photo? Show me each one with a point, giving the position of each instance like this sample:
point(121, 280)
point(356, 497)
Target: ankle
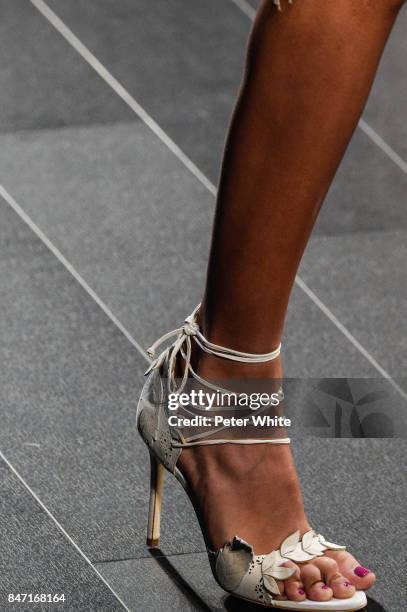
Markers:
point(210, 366)
point(214, 368)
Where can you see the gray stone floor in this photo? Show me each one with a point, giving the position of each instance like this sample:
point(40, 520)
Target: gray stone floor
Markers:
point(135, 224)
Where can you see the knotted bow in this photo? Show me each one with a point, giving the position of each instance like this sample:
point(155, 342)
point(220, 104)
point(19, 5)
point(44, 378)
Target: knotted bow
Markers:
point(185, 334)
point(182, 345)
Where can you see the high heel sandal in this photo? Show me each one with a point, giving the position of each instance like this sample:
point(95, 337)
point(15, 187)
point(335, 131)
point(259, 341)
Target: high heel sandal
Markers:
point(235, 566)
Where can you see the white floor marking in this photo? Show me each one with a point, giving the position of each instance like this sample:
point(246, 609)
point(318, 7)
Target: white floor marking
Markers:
point(248, 10)
point(382, 144)
point(61, 529)
point(348, 335)
point(121, 91)
point(55, 251)
point(74, 41)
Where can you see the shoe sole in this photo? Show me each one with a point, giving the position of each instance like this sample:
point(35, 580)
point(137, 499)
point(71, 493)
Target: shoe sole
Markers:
point(275, 605)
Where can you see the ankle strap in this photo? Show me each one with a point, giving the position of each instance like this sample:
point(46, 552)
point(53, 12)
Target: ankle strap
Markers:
point(183, 344)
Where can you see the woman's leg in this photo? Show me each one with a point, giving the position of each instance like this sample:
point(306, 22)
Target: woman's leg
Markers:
point(309, 71)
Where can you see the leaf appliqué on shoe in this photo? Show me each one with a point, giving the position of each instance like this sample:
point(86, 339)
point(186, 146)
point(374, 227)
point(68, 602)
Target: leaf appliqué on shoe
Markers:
point(273, 570)
point(330, 545)
point(292, 549)
point(290, 543)
point(311, 544)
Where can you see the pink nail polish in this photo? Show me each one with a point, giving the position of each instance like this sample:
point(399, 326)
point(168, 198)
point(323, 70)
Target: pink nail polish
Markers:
point(325, 587)
point(301, 591)
point(361, 572)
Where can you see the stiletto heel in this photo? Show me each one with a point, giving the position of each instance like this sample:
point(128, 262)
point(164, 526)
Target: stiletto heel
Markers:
point(157, 473)
point(235, 565)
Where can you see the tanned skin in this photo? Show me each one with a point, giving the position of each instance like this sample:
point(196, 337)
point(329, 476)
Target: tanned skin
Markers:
point(309, 70)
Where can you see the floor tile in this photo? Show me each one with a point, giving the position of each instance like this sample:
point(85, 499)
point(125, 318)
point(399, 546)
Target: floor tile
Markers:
point(123, 209)
point(35, 557)
point(385, 107)
point(368, 193)
point(362, 279)
point(69, 386)
point(43, 81)
point(190, 91)
point(253, 3)
point(362, 482)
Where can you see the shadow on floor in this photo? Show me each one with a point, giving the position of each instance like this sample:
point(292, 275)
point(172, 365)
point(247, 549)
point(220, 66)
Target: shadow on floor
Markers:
point(178, 580)
point(232, 604)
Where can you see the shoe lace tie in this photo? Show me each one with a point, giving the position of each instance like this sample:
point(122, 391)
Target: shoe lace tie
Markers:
point(184, 336)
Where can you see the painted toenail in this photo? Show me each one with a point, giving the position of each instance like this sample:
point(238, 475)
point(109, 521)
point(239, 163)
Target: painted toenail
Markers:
point(361, 572)
point(325, 587)
point(301, 591)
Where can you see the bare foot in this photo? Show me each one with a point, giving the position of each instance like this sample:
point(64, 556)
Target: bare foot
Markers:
point(253, 492)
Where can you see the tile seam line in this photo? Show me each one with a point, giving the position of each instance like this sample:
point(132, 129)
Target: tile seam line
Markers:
point(8, 198)
point(114, 84)
point(60, 528)
point(363, 125)
point(61, 127)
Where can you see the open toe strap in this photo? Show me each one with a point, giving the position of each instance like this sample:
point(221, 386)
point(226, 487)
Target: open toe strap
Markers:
point(255, 577)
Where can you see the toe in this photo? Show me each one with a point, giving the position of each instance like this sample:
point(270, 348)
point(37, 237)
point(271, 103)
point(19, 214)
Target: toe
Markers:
point(283, 595)
point(315, 587)
point(361, 577)
point(293, 586)
point(295, 590)
point(341, 587)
